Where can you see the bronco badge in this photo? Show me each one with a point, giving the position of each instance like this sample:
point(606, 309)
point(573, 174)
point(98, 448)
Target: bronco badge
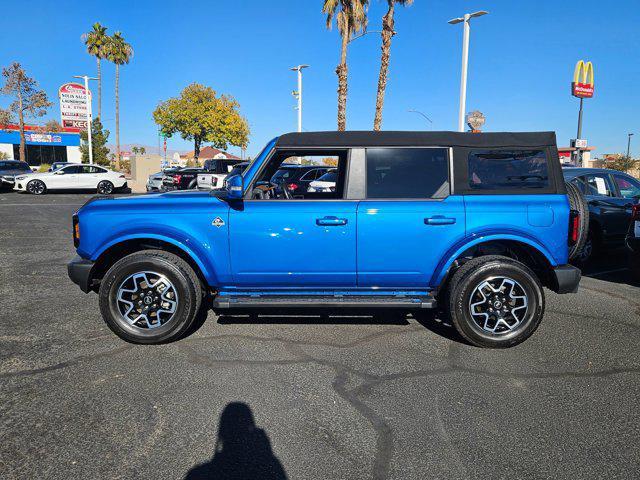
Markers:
point(217, 222)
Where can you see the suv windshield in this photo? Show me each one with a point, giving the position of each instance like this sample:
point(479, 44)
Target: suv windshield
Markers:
point(281, 175)
point(14, 166)
point(331, 176)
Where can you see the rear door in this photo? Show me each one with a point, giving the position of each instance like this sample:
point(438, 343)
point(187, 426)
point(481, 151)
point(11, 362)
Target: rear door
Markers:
point(409, 219)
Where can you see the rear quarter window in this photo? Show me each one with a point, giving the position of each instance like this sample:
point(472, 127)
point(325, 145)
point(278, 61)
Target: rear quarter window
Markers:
point(508, 169)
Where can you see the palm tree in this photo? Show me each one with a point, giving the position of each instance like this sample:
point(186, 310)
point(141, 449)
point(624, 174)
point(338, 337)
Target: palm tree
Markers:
point(119, 52)
point(96, 41)
point(351, 17)
point(387, 34)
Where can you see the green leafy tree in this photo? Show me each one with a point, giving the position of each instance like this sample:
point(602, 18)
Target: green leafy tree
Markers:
point(135, 150)
point(198, 114)
point(622, 163)
point(28, 100)
point(351, 17)
point(388, 25)
point(142, 150)
point(96, 41)
point(99, 137)
point(119, 52)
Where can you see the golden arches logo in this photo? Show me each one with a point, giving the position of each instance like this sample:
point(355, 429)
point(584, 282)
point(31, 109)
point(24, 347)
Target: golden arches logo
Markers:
point(582, 85)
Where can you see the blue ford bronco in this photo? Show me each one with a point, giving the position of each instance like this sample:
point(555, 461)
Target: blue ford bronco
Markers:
point(473, 224)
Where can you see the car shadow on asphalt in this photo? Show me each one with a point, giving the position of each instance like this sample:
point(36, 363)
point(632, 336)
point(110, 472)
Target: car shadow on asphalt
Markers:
point(612, 266)
point(431, 320)
point(241, 450)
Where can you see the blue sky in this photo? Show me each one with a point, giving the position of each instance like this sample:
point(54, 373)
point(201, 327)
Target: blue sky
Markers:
point(522, 57)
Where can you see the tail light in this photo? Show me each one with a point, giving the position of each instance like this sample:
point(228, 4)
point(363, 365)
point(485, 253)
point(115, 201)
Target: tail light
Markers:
point(292, 186)
point(635, 212)
point(177, 178)
point(574, 227)
point(76, 231)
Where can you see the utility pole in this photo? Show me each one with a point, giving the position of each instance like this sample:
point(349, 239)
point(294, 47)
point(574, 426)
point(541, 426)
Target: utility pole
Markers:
point(298, 93)
point(87, 97)
point(465, 62)
point(629, 135)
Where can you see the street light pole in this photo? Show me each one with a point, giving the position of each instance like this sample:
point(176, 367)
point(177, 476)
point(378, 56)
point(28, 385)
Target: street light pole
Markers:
point(87, 98)
point(298, 93)
point(629, 135)
point(465, 62)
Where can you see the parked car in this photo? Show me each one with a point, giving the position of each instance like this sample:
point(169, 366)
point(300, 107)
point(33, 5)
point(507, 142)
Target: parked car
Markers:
point(56, 165)
point(214, 172)
point(296, 178)
point(237, 169)
point(154, 182)
point(72, 177)
point(611, 196)
point(180, 179)
point(325, 183)
point(417, 220)
point(9, 170)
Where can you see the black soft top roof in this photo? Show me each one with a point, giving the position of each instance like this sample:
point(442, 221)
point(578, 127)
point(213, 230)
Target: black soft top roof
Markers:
point(411, 139)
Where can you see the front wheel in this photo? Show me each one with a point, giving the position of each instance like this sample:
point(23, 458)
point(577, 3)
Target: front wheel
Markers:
point(495, 302)
point(36, 187)
point(150, 297)
point(105, 187)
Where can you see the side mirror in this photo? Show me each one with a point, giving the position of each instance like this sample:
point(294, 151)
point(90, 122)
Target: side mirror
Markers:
point(59, 172)
point(235, 187)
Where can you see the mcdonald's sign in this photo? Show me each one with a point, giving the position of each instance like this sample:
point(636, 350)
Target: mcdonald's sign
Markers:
point(582, 85)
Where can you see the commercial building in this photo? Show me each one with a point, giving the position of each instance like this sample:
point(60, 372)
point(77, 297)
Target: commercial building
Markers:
point(41, 146)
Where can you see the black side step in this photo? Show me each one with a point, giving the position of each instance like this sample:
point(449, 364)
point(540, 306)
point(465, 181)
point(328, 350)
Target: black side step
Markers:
point(323, 301)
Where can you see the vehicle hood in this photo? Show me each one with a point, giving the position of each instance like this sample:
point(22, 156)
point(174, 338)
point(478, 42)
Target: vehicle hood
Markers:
point(14, 173)
point(174, 203)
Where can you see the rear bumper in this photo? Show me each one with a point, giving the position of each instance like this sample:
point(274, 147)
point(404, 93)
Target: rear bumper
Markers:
point(79, 271)
point(566, 279)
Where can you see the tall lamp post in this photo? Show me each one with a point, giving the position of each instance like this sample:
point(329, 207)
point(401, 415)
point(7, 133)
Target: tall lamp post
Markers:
point(629, 135)
point(87, 97)
point(465, 62)
point(298, 93)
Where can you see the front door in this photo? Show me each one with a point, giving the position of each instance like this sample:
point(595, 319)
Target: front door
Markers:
point(408, 220)
point(293, 243)
point(66, 177)
point(306, 242)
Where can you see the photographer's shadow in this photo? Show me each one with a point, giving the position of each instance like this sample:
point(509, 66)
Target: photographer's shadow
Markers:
point(242, 450)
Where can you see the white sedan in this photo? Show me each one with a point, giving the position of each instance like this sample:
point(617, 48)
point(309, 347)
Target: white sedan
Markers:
point(325, 183)
point(72, 177)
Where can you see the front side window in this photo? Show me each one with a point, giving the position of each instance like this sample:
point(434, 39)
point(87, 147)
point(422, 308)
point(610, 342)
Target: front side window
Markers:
point(507, 169)
point(288, 174)
point(407, 173)
point(629, 187)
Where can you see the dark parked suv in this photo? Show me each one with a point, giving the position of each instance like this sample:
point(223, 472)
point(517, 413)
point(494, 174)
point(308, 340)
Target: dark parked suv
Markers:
point(182, 179)
point(611, 196)
point(9, 169)
point(296, 178)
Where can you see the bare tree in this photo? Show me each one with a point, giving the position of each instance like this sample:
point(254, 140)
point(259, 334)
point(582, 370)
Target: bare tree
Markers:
point(29, 101)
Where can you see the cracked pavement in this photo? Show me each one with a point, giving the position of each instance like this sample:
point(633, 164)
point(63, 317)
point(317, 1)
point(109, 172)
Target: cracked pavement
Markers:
point(335, 397)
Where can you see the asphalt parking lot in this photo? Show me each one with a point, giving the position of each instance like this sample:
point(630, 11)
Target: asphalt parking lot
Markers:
point(335, 397)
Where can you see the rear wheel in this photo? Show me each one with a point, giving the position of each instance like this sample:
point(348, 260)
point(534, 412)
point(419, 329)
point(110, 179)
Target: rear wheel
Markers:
point(150, 297)
point(105, 187)
point(36, 187)
point(495, 302)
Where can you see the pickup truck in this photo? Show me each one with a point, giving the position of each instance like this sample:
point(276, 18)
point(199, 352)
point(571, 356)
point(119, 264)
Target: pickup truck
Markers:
point(214, 173)
point(180, 179)
point(473, 224)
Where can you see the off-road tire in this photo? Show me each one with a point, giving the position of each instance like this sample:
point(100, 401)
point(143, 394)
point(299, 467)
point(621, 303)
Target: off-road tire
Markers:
point(578, 202)
point(189, 289)
point(473, 273)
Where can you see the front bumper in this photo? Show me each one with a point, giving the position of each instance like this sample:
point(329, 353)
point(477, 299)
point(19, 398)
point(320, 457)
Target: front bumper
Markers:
point(79, 270)
point(566, 279)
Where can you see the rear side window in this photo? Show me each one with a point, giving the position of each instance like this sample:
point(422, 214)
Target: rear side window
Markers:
point(507, 169)
point(407, 173)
